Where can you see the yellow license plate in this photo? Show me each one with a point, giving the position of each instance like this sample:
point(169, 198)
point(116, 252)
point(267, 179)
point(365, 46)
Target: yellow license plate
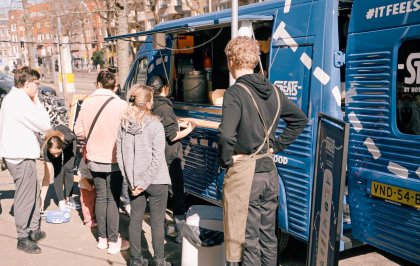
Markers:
point(396, 194)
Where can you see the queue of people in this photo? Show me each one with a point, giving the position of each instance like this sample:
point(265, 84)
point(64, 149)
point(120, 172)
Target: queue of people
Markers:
point(137, 142)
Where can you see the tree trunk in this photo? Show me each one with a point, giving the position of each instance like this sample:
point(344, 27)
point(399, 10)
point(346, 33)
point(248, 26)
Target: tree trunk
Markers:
point(85, 42)
point(28, 34)
point(123, 60)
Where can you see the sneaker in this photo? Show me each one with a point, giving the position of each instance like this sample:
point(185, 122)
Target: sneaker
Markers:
point(102, 243)
point(62, 205)
point(28, 246)
point(37, 235)
point(116, 247)
point(72, 204)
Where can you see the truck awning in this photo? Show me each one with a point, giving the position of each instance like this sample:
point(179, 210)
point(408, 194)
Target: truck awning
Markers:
point(191, 26)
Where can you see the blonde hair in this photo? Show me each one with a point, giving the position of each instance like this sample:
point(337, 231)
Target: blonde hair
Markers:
point(138, 97)
point(243, 51)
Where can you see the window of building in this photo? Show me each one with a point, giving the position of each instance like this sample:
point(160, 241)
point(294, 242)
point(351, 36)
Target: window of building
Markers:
point(47, 24)
point(163, 4)
point(408, 87)
point(39, 25)
point(13, 27)
point(87, 33)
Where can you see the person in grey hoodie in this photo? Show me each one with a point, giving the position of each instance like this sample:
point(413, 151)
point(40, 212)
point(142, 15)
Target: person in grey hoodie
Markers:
point(141, 158)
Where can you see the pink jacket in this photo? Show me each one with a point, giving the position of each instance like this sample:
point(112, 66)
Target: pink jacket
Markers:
point(101, 145)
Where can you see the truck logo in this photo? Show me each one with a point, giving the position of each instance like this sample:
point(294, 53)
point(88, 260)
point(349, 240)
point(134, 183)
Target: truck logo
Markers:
point(394, 9)
point(413, 68)
point(289, 87)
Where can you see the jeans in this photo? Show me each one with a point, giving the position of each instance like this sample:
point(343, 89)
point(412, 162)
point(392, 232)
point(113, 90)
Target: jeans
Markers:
point(108, 191)
point(260, 234)
point(158, 197)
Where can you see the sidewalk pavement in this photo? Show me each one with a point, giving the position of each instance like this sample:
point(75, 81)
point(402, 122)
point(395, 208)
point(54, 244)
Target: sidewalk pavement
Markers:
point(68, 243)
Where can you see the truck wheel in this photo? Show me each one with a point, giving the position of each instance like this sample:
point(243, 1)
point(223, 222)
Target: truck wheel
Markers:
point(282, 240)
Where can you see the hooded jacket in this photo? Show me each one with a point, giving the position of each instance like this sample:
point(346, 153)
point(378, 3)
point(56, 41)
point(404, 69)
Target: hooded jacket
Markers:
point(141, 153)
point(241, 129)
point(163, 108)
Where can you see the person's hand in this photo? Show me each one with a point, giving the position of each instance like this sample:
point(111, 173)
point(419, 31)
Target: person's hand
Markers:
point(191, 125)
point(236, 157)
point(137, 191)
point(182, 123)
point(35, 99)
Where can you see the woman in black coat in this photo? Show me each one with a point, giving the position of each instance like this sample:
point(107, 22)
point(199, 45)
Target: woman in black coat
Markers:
point(60, 149)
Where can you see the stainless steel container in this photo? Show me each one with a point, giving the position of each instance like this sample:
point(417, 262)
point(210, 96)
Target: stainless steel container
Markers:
point(195, 87)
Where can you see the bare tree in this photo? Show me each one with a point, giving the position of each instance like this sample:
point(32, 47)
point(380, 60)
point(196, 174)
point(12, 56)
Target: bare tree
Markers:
point(121, 13)
point(195, 6)
point(28, 33)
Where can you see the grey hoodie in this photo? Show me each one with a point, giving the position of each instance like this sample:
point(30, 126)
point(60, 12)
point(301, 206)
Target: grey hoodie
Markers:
point(141, 154)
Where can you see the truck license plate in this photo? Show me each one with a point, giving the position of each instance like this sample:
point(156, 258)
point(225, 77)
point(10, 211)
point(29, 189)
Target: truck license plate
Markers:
point(396, 194)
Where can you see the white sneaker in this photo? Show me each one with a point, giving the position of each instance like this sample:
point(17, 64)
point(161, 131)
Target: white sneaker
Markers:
point(102, 243)
point(62, 205)
point(116, 247)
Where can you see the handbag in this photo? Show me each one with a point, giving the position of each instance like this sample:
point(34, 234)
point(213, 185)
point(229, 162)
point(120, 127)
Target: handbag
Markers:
point(83, 142)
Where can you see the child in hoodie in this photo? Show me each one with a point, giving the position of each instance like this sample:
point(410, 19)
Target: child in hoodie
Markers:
point(141, 158)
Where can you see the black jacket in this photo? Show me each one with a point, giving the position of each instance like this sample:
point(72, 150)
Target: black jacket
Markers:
point(69, 146)
point(241, 130)
point(163, 108)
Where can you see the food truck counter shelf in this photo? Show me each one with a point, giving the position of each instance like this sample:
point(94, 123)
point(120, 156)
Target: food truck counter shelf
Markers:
point(198, 107)
point(202, 122)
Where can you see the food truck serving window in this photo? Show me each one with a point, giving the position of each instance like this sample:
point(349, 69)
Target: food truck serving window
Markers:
point(199, 73)
point(408, 87)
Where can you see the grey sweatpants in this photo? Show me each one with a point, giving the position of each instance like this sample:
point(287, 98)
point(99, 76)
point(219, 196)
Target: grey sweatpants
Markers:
point(27, 203)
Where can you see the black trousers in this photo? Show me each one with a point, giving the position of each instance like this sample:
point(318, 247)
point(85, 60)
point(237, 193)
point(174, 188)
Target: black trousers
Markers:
point(177, 188)
point(64, 172)
point(108, 192)
point(158, 196)
point(260, 234)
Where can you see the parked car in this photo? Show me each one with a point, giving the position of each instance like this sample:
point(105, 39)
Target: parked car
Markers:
point(7, 82)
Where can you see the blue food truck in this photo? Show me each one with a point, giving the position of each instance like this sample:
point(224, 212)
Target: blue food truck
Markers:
point(358, 61)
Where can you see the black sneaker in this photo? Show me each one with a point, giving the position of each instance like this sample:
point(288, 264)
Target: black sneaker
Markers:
point(37, 235)
point(28, 246)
